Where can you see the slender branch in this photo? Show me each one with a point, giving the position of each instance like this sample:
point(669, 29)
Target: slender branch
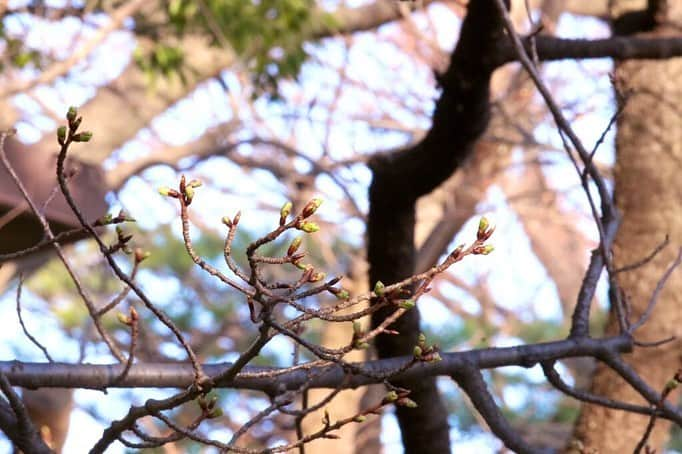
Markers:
point(30, 337)
point(16, 424)
point(60, 253)
point(555, 379)
point(607, 222)
point(654, 296)
point(158, 313)
point(471, 381)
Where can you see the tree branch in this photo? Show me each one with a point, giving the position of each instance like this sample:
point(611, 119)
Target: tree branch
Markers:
point(471, 381)
point(181, 375)
point(619, 48)
point(16, 424)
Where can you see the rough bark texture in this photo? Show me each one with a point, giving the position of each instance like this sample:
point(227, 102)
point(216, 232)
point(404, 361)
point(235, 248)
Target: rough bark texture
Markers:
point(648, 193)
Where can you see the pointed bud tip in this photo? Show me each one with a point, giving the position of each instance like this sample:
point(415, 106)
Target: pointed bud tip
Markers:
point(309, 227)
point(391, 396)
point(407, 304)
point(71, 113)
point(84, 136)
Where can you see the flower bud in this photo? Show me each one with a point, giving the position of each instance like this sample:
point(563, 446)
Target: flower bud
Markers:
point(124, 216)
point(391, 396)
point(417, 351)
point(293, 247)
point(141, 255)
point(61, 135)
point(317, 277)
point(104, 220)
point(671, 384)
point(483, 225)
point(123, 318)
point(71, 114)
point(360, 418)
point(340, 293)
point(300, 265)
point(284, 212)
point(165, 191)
point(483, 250)
point(379, 288)
point(407, 304)
point(485, 230)
point(311, 207)
point(226, 220)
point(215, 413)
point(308, 227)
point(84, 136)
point(406, 402)
point(457, 252)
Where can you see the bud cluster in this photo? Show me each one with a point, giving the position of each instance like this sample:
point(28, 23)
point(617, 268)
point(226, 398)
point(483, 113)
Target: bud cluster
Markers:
point(424, 352)
point(66, 135)
point(208, 406)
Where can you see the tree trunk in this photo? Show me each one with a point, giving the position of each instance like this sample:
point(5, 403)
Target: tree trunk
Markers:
point(648, 194)
point(347, 402)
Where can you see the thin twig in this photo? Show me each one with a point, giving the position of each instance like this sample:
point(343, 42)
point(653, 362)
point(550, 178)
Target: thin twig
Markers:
point(654, 296)
point(645, 260)
point(23, 326)
point(48, 233)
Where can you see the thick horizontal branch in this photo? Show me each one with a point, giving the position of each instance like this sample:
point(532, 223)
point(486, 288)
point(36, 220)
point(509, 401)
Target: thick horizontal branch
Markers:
point(276, 380)
point(619, 48)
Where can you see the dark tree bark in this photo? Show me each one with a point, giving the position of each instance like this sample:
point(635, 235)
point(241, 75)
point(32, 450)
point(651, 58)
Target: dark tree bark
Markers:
point(401, 177)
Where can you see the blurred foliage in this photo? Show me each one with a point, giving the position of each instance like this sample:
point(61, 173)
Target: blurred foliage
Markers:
point(675, 443)
point(15, 53)
point(267, 34)
point(161, 60)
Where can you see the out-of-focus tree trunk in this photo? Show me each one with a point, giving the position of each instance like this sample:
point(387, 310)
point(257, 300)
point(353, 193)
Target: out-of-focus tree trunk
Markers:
point(50, 411)
point(647, 177)
point(347, 402)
